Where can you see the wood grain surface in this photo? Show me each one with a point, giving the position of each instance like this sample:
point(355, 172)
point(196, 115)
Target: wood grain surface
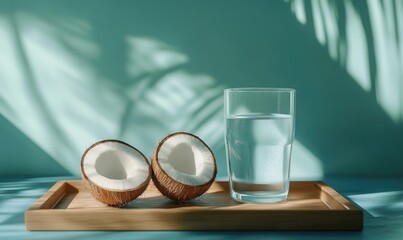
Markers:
point(310, 206)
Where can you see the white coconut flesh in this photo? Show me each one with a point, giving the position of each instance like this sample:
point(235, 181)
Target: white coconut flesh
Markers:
point(187, 160)
point(115, 166)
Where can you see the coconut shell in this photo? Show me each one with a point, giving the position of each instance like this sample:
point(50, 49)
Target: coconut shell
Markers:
point(116, 198)
point(171, 188)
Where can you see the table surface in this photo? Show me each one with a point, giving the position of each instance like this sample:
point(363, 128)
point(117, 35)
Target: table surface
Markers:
point(380, 198)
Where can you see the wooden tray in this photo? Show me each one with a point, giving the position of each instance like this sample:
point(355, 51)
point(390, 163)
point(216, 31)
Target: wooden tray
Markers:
point(310, 206)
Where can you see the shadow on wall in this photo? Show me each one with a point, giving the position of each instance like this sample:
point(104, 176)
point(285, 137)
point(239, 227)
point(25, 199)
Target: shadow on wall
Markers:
point(364, 37)
point(139, 71)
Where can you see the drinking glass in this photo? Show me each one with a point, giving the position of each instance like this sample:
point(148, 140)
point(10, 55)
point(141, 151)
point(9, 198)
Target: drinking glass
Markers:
point(259, 132)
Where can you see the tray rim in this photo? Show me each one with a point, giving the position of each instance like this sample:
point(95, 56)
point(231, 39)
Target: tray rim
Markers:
point(54, 194)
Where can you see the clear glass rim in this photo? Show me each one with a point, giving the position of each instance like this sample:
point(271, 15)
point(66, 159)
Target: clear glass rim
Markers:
point(257, 89)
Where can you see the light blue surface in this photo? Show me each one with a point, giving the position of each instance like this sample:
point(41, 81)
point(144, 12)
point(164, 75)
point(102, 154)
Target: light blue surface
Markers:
point(383, 214)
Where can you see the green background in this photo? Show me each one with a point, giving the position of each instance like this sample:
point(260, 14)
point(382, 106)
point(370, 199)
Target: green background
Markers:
point(75, 72)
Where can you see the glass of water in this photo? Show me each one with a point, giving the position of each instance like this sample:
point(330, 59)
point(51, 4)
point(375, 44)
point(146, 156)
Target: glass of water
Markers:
point(259, 131)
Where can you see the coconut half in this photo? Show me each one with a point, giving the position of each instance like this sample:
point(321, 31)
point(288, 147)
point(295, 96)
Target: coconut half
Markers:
point(184, 166)
point(115, 172)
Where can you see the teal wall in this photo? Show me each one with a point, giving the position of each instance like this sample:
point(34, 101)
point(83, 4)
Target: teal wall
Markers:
point(75, 72)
